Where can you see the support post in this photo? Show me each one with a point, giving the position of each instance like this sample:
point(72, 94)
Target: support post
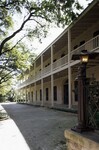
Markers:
point(51, 58)
point(42, 87)
point(69, 68)
point(52, 82)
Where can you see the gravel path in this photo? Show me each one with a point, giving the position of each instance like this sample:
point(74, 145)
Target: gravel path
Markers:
point(42, 128)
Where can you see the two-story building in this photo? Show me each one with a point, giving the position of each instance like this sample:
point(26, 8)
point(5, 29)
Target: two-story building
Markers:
point(51, 79)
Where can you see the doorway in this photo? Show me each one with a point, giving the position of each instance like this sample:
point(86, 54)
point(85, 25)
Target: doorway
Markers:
point(66, 92)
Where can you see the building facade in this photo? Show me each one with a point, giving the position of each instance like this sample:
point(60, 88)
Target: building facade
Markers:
point(51, 79)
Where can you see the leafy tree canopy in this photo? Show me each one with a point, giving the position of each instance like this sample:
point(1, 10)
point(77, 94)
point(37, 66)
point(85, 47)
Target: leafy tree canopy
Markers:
point(38, 12)
point(31, 19)
point(15, 61)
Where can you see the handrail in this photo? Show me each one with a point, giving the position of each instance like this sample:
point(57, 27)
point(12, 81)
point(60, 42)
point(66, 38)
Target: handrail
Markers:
point(60, 62)
point(90, 45)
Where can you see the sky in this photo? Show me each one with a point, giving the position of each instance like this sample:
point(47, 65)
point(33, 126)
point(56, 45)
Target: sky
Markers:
point(53, 33)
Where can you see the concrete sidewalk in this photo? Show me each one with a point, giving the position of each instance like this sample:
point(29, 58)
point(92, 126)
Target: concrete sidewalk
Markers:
point(10, 136)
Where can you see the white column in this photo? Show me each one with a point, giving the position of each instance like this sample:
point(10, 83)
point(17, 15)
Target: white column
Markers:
point(34, 69)
point(69, 68)
point(20, 93)
point(52, 82)
point(42, 87)
point(51, 58)
point(35, 82)
point(42, 64)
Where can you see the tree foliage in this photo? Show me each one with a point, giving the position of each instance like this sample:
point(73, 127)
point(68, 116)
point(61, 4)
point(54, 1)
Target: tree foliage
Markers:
point(15, 61)
point(34, 16)
point(38, 13)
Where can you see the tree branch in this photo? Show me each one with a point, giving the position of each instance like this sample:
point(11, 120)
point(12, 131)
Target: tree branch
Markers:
point(37, 22)
point(13, 46)
point(8, 4)
point(5, 78)
point(13, 35)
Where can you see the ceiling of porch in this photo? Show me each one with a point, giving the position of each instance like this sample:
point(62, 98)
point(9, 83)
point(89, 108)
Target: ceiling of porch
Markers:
point(87, 19)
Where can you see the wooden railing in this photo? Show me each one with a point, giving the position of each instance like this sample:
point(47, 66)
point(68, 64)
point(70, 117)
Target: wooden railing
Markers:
point(91, 45)
point(60, 62)
point(47, 70)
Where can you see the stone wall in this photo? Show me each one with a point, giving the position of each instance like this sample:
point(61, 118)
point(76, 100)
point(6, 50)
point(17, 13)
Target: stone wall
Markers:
point(83, 141)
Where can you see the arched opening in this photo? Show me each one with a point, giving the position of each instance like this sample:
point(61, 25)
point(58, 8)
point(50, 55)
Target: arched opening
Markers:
point(66, 92)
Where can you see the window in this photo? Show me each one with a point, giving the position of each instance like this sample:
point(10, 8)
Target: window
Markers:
point(75, 46)
point(76, 90)
point(47, 65)
point(47, 94)
point(32, 95)
point(28, 95)
point(81, 43)
point(36, 95)
point(62, 55)
point(55, 93)
point(54, 60)
point(40, 94)
point(96, 33)
point(96, 39)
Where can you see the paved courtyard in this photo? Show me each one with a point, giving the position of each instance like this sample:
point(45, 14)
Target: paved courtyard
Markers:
point(42, 128)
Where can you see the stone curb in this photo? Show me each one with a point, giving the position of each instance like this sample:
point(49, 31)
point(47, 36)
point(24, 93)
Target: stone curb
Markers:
point(55, 108)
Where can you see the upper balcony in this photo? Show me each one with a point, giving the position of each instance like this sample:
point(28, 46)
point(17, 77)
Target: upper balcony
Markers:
point(91, 45)
point(62, 63)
